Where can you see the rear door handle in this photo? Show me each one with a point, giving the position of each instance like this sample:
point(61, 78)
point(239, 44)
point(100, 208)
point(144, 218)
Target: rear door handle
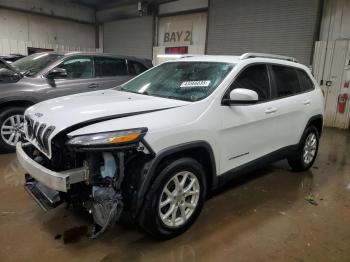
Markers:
point(93, 85)
point(307, 102)
point(271, 110)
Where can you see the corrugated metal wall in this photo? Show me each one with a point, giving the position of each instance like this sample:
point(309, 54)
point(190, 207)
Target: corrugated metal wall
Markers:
point(132, 37)
point(272, 26)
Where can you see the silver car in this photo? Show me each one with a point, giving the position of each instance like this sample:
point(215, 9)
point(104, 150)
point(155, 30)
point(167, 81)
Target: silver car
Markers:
point(48, 75)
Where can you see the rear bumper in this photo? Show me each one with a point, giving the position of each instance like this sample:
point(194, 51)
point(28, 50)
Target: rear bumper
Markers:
point(60, 181)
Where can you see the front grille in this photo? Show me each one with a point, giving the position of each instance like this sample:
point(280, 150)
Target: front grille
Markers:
point(37, 132)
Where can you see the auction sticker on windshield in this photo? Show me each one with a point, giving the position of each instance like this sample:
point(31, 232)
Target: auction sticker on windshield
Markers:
point(203, 83)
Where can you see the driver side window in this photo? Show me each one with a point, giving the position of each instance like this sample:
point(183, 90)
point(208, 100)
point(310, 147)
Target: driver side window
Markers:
point(78, 67)
point(254, 78)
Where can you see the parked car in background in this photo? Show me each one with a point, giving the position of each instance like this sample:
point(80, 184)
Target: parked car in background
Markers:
point(48, 75)
point(11, 58)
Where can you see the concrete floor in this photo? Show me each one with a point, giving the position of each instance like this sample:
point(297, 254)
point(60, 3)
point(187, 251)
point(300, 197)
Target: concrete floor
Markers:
point(263, 217)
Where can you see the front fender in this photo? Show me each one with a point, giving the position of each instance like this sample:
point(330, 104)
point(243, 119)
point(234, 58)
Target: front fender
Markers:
point(147, 173)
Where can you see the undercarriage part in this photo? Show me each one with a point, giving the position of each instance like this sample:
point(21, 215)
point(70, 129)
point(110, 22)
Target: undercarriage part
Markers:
point(45, 197)
point(107, 203)
point(106, 209)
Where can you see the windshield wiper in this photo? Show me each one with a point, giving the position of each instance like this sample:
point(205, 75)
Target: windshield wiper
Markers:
point(129, 91)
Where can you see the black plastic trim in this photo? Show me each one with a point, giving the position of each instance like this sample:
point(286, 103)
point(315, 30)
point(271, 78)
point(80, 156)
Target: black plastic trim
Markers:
point(257, 163)
point(150, 169)
point(313, 118)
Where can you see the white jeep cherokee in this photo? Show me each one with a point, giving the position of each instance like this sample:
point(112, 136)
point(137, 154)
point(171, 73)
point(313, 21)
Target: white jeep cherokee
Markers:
point(154, 148)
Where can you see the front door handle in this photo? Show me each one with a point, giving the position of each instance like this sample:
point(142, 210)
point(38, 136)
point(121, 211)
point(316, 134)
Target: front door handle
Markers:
point(93, 85)
point(307, 102)
point(271, 110)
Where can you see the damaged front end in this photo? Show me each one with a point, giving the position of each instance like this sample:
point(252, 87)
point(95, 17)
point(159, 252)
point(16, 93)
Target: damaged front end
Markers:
point(86, 171)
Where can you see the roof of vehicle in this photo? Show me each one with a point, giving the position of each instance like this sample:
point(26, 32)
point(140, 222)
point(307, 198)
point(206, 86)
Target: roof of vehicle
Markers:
point(212, 58)
point(68, 53)
point(268, 58)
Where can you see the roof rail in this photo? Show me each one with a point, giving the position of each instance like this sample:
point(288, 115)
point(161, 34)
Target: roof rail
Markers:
point(254, 55)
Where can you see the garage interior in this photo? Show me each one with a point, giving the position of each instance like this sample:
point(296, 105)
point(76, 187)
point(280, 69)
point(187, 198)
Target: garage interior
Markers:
point(268, 214)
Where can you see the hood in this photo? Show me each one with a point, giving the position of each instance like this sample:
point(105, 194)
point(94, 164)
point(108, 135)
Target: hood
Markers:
point(70, 112)
point(65, 112)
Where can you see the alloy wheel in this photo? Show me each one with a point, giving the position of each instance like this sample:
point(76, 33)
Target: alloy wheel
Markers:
point(11, 129)
point(179, 199)
point(310, 148)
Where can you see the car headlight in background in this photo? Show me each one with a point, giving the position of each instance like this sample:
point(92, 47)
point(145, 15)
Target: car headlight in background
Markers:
point(109, 138)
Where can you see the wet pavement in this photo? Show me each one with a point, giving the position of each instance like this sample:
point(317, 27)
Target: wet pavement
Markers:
point(271, 214)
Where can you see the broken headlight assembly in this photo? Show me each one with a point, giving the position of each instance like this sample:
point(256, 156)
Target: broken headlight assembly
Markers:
point(107, 153)
point(108, 139)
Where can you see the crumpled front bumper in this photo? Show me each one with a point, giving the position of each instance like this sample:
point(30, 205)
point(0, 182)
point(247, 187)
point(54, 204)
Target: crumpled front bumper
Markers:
point(60, 181)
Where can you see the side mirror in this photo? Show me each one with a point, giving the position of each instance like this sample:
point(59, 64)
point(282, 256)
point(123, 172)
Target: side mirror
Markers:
point(242, 96)
point(57, 73)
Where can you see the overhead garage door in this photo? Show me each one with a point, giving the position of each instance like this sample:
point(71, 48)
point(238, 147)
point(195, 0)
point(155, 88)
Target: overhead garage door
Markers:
point(271, 26)
point(131, 37)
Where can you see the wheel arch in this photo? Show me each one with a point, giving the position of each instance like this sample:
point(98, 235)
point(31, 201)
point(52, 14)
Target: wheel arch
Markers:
point(17, 102)
point(316, 121)
point(198, 150)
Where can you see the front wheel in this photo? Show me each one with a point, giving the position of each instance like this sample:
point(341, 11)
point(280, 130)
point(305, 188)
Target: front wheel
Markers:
point(175, 199)
point(307, 150)
point(11, 123)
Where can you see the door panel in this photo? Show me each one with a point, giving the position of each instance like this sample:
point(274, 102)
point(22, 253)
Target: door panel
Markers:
point(80, 77)
point(292, 105)
point(63, 87)
point(245, 132)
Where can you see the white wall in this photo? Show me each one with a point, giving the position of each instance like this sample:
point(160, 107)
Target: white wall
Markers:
point(196, 23)
point(26, 27)
point(336, 20)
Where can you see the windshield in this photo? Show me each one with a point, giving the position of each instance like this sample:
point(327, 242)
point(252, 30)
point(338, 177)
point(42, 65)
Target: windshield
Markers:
point(189, 81)
point(33, 64)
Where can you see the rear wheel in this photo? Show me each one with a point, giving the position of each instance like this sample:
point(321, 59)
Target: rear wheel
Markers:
point(11, 122)
point(307, 150)
point(175, 199)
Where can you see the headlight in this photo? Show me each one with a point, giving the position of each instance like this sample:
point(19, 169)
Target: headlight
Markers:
point(109, 138)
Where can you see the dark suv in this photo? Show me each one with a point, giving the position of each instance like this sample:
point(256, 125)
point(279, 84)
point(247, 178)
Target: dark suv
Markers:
point(48, 75)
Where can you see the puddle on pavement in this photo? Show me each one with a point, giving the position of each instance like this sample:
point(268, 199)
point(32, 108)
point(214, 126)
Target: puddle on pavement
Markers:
point(75, 234)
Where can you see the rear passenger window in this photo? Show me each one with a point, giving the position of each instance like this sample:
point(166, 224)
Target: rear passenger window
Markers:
point(254, 78)
point(305, 81)
point(136, 68)
point(287, 82)
point(107, 66)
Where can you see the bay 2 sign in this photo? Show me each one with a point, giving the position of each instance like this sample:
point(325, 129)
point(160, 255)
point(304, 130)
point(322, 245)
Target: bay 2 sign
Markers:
point(178, 33)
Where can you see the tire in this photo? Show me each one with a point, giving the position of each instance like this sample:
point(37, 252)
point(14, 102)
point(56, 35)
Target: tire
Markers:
point(299, 162)
point(5, 131)
point(150, 218)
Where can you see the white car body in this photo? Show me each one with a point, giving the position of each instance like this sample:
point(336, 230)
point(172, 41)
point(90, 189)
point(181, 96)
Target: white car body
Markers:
point(232, 131)
point(156, 158)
